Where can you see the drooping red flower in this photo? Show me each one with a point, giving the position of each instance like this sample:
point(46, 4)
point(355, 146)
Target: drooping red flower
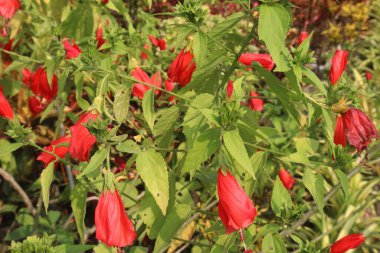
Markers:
point(6, 110)
point(8, 8)
point(139, 89)
point(112, 225)
point(60, 147)
point(182, 68)
point(236, 209)
point(339, 134)
point(346, 243)
point(39, 84)
point(36, 106)
point(160, 43)
point(72, 50)
point(256, 104)
point(358, 128)
point(286, 179)
point(230, 88)
point(99, 37)
point(302, 37)
point(265, 60)
point(144, 56)
point(368, 75)
point(338, 65)
point(27, 77)
point(81, 139)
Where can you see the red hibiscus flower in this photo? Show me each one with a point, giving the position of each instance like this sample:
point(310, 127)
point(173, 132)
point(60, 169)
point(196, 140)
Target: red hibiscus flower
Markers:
point(338, 65)
point(60, 147)
point(36, 106)
point(348, 242)
point(256, 104)
point(72, 50)
point(111, 223)
point(81, 139)
point(8, 8)
point(236, 209)
point(182, 68)
point(39, 84)
point(140, 89)
point(265, 60)
point(6, 110)
point(286, 179)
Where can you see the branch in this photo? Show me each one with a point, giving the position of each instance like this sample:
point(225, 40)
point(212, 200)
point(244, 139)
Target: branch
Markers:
point(8, 177)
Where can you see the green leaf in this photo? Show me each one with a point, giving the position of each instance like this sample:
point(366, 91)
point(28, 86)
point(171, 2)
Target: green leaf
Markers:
point(284, 95)
point(82, 15)
point(314, 184)
point(128, 146)
point(121, 103)
point(78, 204)
point(102, 248)
point(274, 22)
point(315, 80)
point(148, 108)
point(95, 162)
point(78, 81)
point(273, 243)
point(46, 180)
point(154, 173)
point(304, 47)
point(8, 147)
point(221, 28)
point(236, 149)
point(149, 3)
point(151, 215)
point(173, 222)
point(200, 47)
point(165, 126)
point(66, 248)
point(344, 182)
point(203, 147)
point(281, 200)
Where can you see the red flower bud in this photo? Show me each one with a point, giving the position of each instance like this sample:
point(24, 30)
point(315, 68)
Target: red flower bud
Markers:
point(348, 242)
point(358, 129)
point(99, 37)
point(160, 43)
point(144, 56)
point(286, 179)
point(8, 8)
point(230, 88)
point(72, 50)
point(5, 108)
point(57, 147)
point(368, 75)
point(182, 68)
point(81, 139)
point(302, 37)
point(338, 65)
point(236, 209)
point(265, 60)
point(139, 89)
point(112, 225)
point(256, 104)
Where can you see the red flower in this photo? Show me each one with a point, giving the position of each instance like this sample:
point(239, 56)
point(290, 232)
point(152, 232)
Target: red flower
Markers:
point(236, 209)
point(256, 104)
point(27, 77)
point(8, 8)
point(5, 108)
point(39, 84)
point(338, 65)
point(72, 51)
point(57, 147)
point(105, 1)
point(81, 139)
point(339, 134)
point(368, 75)
point(140, 89)
point(302, 37)
point(144, 56)
point(348, 242)
point(182, 68)
point(36, 106)
point(112, 224)
point(99, 37)
point(169, 87)
point(358, 129)
point(286, 179)
point(230, 88)
point(161, 43)
point(265, 60)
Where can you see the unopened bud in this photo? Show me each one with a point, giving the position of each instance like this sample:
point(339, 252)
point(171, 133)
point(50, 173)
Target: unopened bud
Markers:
point(230, 89)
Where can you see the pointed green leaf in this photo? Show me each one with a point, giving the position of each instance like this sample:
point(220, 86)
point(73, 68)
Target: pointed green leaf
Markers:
point(78, 204)
point(121, 103)
point(281, 200)
point(200, 47)
point(46, 180)
point(344, 182)
point(148, 108)
point(96, 160)
point(314, 184)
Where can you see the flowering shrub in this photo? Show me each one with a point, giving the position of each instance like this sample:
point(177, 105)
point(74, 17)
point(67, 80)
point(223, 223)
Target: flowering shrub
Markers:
point(195, 125)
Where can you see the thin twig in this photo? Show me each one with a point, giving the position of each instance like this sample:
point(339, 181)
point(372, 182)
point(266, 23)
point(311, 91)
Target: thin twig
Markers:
point(9, 178)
